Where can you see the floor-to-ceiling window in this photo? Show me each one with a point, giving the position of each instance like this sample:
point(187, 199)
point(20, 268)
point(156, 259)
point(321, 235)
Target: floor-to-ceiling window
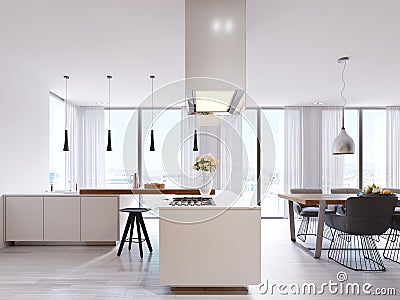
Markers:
point(115, 167)
point(272, 183)
point(156, 164)
point(351, 162)
point(249, 140)
point(374, 147)
point(56, 143)
point(167, 132)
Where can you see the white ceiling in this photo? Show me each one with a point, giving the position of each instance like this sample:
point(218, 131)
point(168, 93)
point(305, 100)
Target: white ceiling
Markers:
point(292, 47)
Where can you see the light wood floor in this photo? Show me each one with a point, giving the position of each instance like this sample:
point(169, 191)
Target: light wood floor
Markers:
point(95, 272)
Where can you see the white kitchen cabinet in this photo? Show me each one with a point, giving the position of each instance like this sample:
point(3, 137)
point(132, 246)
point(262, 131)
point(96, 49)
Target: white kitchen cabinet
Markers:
point(24, 219)
point(1, 222)
point(99, 218)
point(62, 219)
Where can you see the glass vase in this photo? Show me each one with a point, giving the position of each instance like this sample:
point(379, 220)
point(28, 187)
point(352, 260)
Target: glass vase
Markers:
point(206, 182)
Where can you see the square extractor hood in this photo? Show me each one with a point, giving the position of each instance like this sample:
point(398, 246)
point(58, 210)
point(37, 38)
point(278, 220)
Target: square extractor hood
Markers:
point(214, 101)
point(215, 56)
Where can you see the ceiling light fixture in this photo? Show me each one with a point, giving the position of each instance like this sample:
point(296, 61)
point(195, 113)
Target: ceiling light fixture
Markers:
point(152, 148)
point(343, 143)
point(109, 148)
point(66, 145)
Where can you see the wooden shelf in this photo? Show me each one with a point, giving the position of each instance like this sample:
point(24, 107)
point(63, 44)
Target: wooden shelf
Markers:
point(141, 191)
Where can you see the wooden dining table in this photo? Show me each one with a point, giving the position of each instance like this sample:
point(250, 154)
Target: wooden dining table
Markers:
point(313, 199)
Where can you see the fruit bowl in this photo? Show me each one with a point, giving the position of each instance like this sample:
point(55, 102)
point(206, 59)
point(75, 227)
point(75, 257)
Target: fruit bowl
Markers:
point(363, 194)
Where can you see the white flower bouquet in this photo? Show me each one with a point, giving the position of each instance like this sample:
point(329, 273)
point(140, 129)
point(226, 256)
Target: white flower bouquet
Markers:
point(206, 162)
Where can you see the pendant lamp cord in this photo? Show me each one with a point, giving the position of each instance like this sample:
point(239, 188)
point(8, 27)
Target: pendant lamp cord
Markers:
point(65, 102)
point(109, 101)
point(152, 100)
point(341, 92)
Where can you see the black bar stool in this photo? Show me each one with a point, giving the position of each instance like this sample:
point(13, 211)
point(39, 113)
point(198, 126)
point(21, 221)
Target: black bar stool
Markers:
point(135, 213)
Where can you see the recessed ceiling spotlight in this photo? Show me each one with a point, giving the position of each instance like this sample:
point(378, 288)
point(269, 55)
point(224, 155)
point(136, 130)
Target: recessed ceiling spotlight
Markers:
point(216, 25)
point(318, 103)
point(101, 103)
point(228, 26)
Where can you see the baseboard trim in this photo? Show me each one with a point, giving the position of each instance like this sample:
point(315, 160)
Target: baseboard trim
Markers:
point(177, 290)
point(64, 243)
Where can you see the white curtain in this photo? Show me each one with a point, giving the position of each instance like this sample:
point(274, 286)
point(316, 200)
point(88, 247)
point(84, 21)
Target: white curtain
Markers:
point(92, 147)
point(188, 124)
point(332, 165)
point(71, 156)
point(219, 136)
point(393, 147)
point(309, 134)
point(312, 147)
point(233, 166)
point(293, 148)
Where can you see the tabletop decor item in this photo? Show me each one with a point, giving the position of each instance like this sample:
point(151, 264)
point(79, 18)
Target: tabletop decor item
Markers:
point(207, 165)
point(154, 185)
point(373, 190)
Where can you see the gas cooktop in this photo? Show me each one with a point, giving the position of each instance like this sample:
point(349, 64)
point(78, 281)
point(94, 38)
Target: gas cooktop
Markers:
point(192, 201)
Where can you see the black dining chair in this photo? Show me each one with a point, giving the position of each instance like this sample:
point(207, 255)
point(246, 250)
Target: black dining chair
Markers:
point(353, 244)
point(309, 215)
point(386, 234)
point(395, 191)
point(340, 209)
point(392, 248)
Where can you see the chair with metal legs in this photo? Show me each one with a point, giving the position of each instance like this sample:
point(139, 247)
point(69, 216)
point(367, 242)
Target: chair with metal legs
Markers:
point(392, 248)
point(309, 215)
point(353, 244)
point(387, 233)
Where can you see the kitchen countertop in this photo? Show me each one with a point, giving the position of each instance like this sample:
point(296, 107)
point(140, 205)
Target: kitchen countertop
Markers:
point(141, 191)
point(50, 194)
point(222, 199)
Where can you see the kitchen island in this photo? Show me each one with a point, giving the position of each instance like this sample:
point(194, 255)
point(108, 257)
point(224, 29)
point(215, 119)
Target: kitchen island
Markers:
point(213, 246)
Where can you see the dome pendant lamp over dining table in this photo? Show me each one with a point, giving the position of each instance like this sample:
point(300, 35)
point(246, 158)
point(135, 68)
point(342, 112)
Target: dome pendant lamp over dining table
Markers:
point(343, 143)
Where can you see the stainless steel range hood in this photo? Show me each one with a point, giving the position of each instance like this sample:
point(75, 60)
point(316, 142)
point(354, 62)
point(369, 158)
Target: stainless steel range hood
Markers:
point(215, 60)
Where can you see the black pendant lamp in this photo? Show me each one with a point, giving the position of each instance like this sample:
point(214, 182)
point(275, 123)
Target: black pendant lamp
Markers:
point(343, 143)
point(152, 148)
point(195, 148)
point(109, 148)
point(66, 146)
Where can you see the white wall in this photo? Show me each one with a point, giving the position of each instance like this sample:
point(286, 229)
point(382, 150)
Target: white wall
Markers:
point(292, 47)
point(24, 151)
